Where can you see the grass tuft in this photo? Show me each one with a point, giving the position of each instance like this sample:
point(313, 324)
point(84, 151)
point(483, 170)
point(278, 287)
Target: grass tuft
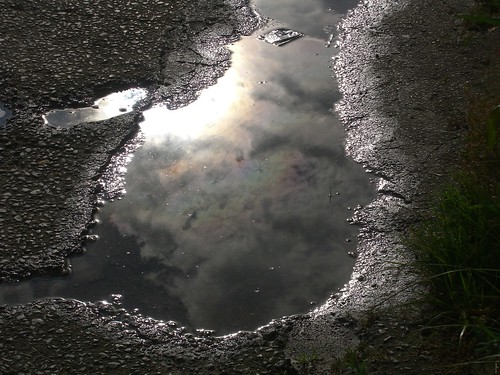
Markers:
point(457, 245)
point(457, 248)
point(352, 361)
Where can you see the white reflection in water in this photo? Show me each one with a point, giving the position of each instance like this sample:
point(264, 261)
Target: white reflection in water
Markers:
point(110, 106)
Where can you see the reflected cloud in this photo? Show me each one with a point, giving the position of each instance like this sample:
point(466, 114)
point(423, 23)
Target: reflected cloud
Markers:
point(311, 17)
point(238, 205)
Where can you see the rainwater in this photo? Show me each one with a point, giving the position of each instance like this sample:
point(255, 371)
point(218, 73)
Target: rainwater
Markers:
point(4, 114)
point(236, 205)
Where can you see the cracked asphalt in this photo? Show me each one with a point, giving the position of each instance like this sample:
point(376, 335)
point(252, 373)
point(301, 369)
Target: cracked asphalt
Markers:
point(403, 69)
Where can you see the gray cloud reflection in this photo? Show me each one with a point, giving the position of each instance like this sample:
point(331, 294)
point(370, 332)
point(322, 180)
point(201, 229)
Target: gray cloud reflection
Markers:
point(315, 18)
point(238, 205)
point(227, 221)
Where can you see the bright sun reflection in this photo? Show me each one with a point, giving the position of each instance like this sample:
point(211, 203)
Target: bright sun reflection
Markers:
point(120, 102)
point(104, 108)
point(198, 119)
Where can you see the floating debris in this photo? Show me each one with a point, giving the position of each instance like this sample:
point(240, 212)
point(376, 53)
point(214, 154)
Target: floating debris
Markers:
point(281, 36)
point(329, 41)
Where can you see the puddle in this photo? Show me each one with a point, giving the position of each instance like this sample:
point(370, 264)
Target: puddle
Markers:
point(236, 205)
point(4, 114)
point(107, 107)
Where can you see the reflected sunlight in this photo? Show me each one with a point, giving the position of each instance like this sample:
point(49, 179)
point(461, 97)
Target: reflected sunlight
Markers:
point(104, 108)
point(119, 102)
point(197, 119)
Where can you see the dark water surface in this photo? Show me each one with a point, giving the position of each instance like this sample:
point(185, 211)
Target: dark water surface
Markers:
point(5, 113)
point(236, 205)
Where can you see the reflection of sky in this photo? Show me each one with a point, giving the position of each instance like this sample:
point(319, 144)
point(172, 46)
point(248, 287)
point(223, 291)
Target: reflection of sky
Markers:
point(4, 114)
point(315, 18)
point(234, 196)
point(110, 106)
point(227, 221)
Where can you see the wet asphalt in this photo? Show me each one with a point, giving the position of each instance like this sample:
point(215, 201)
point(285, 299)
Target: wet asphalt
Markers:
point(402, 69)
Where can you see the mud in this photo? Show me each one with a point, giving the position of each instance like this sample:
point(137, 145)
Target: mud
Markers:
point(403, 70)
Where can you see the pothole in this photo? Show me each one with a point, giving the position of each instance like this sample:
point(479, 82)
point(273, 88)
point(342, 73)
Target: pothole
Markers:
point(236, 205)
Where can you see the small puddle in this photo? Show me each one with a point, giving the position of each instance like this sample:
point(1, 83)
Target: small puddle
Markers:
point(237, 204)
point(110, 106)
point(4, 114)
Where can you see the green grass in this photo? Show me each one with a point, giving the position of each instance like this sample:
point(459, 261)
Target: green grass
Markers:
point(486, 14)
point(307, 359)
point(458, 255)
point(352, 361)
point(457, 245)
point(457, 248)
point(307, 362)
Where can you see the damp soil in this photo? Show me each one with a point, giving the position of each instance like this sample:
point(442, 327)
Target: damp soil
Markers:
point(402, 69)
